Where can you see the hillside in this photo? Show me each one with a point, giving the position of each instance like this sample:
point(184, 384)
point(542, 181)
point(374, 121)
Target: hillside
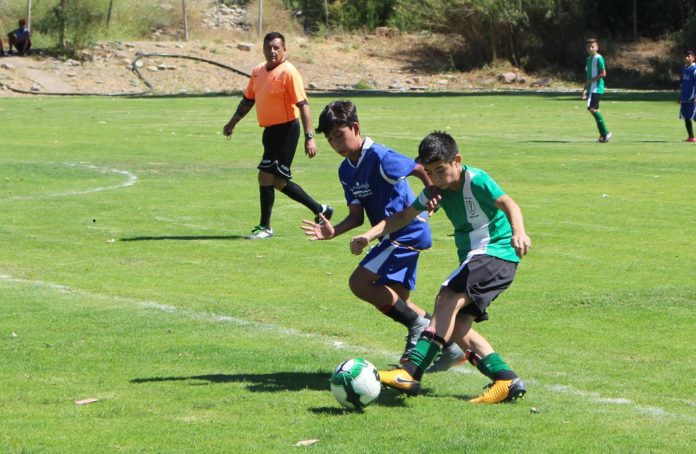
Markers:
point(380, 61)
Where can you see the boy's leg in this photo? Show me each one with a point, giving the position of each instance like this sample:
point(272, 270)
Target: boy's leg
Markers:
point(689, 128)
point(451, 355)
point(429, 345)
point(393, 300)
point(464, 297)
point(601, 125)
point(593, 107)
point(506, 385)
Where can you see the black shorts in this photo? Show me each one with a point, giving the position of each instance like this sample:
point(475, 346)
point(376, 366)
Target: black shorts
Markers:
point(483, 278)
point(279, 145)
point(593, 101)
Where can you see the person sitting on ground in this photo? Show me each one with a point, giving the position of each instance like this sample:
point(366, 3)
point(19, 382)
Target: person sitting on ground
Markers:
point(20, 38)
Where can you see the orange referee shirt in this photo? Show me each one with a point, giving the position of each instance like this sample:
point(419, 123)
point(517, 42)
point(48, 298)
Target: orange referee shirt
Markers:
point(276, 92)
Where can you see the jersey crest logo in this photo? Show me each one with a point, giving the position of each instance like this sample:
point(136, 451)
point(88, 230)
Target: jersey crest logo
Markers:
point(470, 207)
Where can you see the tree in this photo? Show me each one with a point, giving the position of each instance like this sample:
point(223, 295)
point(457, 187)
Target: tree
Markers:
point(74, 22)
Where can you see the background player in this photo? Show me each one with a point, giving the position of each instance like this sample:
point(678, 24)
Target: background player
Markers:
point(595, 72)
point(687, 96)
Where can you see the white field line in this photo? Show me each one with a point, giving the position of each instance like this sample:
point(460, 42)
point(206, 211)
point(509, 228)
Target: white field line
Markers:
point(647, 411)
point(131, 179)
point(201, 316)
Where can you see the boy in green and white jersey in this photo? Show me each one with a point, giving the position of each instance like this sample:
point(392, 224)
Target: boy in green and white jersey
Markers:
point(595, 72)
point(490, 238)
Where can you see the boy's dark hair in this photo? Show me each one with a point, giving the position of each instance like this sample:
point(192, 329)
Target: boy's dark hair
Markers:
point(337, 114)
point(437, 146)
point(591, 41)
point(273, 35)
point(689, 52)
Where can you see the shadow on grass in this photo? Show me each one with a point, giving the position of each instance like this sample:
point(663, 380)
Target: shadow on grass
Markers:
point(183, 237)
point(282, 381)
point(266, 383)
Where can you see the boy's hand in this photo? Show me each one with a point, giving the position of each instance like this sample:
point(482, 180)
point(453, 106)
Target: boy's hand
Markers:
point(435, 197)
point(521, 243)
point(584, 94)
point(358, 243)
point(323, 231)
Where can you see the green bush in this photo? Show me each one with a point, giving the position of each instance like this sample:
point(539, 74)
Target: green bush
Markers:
point(342, 14)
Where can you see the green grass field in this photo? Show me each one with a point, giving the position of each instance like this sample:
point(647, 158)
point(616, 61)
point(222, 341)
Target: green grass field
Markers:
point(124, 277)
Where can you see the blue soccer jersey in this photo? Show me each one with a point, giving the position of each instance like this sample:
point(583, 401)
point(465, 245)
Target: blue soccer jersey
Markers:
point(688, 83)
point(378, 183)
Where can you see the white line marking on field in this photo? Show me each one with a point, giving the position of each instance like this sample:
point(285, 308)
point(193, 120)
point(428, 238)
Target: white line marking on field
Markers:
point(131, 179)
point(652, 412)
point(202, 316)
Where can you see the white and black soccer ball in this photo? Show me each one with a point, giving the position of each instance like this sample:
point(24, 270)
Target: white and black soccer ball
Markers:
point(355, 383)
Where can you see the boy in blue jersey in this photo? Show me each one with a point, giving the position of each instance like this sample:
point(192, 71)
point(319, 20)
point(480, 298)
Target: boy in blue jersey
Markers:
point(490, 238)
point(374, 183)
point(687, 97)
point(595, 72)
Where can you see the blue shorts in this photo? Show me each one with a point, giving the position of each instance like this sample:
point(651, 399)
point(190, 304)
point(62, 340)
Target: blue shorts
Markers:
point(394, 263)
point(687, 110)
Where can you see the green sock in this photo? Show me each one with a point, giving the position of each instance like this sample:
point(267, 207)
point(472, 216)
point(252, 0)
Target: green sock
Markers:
point(494, 367)
point(603, 131)
point(421, 356)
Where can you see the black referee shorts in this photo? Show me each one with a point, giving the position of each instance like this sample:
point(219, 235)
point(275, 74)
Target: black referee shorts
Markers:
point(279, 145)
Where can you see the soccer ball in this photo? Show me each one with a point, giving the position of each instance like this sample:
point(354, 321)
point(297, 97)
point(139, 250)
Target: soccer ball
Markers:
point(355, 383)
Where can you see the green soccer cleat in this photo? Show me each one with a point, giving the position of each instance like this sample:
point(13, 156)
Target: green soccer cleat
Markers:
point(401, 380)
point(501, 391)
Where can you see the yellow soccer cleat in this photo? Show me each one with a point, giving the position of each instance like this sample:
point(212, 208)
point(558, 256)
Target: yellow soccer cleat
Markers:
point(401, 380)
point(501, 391)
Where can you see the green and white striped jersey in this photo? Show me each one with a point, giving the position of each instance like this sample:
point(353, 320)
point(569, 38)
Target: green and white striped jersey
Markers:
point(593, 66)
point(480, 227)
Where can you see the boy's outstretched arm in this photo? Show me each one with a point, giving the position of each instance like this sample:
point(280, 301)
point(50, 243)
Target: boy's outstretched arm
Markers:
point(326, 231)
point(520, 241)
point(383, 227)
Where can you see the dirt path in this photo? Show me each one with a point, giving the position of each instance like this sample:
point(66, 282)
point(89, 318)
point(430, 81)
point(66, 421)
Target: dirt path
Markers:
point(45, 80)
